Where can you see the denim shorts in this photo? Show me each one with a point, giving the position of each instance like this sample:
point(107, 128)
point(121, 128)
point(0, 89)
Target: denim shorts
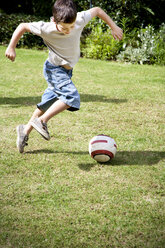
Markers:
point(60, 86)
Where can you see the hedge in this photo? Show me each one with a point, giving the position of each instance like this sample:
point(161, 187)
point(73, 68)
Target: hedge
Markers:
point(8, 24)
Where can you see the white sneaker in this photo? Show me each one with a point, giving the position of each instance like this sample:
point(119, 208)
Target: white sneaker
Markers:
point(41, 127)
point(22, 138)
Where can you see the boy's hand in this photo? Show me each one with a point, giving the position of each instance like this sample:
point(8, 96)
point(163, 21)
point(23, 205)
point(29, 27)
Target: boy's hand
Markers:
point(20, 30)
point(10, 54)
point(117, 32)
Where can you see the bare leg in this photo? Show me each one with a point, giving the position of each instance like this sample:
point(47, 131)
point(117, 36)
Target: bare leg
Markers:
point(56, 108)
point(28, 127)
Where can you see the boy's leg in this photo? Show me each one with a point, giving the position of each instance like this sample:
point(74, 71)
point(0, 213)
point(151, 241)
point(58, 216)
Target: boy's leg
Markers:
point(56, 108)
point(28, 128)
point(40, 124)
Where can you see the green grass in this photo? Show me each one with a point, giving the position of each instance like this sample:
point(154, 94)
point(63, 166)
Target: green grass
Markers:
point(55, 195)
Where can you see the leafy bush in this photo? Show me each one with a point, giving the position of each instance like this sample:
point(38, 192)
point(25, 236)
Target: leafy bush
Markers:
point(140, 48)
point(145, 46)
point(159, 49)
point(100, 44)
point(8, 24)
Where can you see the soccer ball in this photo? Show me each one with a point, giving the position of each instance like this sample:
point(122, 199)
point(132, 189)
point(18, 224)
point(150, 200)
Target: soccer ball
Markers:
point(102, 148)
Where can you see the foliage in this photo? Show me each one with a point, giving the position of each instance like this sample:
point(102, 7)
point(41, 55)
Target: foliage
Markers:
point(141, 49)
point(144, 46)
point(30, 7)
point(159, 49)
point(100, 44)
point(8, 24)
point(138, 12)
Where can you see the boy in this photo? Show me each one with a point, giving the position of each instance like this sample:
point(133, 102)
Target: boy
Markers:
point(62, 37)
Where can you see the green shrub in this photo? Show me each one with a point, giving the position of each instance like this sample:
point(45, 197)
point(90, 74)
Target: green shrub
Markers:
point(144, 46)
point(8, 24)
point(140, 49)
point(100, 44)
point(159, 49)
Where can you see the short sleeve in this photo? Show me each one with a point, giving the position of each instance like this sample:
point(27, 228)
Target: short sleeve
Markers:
point(85, 16)
point(36, 27)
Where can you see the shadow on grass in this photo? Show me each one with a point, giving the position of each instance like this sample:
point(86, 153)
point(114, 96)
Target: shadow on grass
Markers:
point(137, 158)
point(31, 100)
point(19, 101)
point(100, 98)
point(122, 157)
point(85, 167)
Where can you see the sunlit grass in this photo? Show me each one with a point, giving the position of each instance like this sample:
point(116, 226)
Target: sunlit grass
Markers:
point(54, 195)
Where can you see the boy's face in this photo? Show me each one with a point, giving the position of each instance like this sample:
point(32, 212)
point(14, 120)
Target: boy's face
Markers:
point(65, 28)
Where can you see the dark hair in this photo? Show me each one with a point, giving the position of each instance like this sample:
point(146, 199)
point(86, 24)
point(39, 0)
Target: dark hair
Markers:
point(64, 11)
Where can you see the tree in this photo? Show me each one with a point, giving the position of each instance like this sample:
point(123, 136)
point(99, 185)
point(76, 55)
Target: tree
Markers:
point(138, 12)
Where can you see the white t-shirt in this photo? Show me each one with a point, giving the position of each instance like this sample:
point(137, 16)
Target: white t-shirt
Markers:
point(64, 49)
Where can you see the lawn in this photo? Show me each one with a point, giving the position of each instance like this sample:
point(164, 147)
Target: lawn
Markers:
point(55, 195)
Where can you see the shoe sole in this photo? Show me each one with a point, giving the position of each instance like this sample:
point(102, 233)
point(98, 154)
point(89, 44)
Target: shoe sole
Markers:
point(21, 150)
point(40, 131)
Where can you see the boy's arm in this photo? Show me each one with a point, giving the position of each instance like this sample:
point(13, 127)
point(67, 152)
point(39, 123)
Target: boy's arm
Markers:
point(20, 30)
point(116, 31)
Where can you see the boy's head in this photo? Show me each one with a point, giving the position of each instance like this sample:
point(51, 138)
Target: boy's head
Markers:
point(64, 11)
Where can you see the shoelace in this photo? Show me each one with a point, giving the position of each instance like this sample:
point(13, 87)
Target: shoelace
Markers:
point(45, 127)
point(25, 141)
